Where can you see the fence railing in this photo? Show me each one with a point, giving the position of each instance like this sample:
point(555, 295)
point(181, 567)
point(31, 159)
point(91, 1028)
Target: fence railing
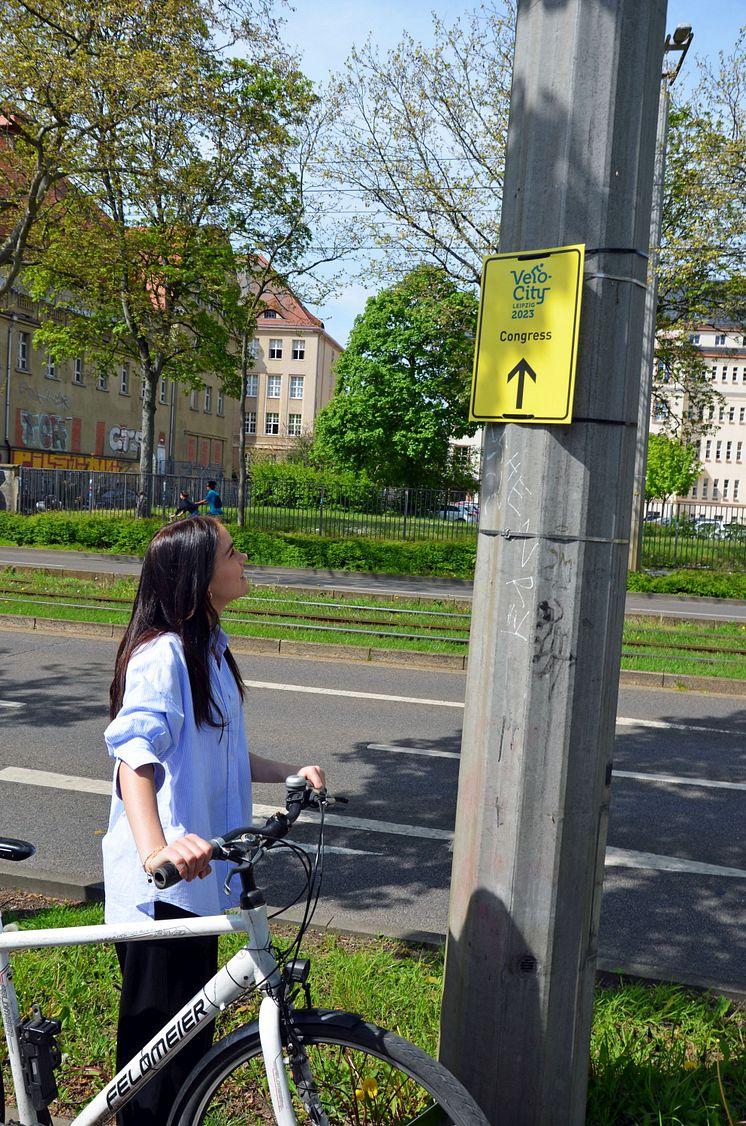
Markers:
point(690, 534)
point(401, 513)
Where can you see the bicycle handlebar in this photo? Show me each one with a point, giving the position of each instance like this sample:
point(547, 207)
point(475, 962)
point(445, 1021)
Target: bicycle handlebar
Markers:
point(299, 795)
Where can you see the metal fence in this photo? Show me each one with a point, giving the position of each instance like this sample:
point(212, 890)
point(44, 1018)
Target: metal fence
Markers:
point(691, 534)
point(402, 513)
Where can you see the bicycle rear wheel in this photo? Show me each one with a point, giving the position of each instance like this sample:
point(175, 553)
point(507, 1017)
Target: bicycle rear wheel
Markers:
point(364, 1075)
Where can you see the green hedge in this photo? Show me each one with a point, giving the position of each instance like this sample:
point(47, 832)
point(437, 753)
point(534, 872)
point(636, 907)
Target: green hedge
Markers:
point(450, 559)
point(265, 549)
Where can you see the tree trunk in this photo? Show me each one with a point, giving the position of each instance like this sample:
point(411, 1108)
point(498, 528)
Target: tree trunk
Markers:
point(241, 514)
point(149, 378)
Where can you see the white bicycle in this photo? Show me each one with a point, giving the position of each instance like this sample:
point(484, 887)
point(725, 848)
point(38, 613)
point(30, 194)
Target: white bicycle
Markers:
point(295, 1064)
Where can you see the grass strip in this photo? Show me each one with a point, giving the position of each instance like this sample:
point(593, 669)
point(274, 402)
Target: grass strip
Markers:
point(707, 649)
point(660, 1054)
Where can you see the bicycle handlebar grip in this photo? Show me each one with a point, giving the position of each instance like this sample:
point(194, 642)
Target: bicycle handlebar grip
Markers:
point(166, 875)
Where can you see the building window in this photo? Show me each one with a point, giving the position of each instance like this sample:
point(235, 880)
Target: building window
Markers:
point(694, 338)
point(694, 492)
point(704, 489)
point(724, 374)
point(708, 450)
point(713, 374)
point(194, 401)
point(294, 425)
point(271, 423)
point(296, 386)
point(728, 448)
point(208, 400)
point(734, 376)
point(102, 383)
point(274, 384)
point(739, 450)
point(220, 404)
point(162, 394)
point(124, 380)
point(250, 422)
point(715, 485)
point(275, 349)
point(51, 369)
point(735, 489)
point(718, 448)
point(24, 343)
point(719, 340)
point(252, 386)
point(78, 370)
point(726, 488)
point(742, 414)
point(299, 349)
point(731, 414)
point(660, 410)
point(721, 414)
point(269, 315)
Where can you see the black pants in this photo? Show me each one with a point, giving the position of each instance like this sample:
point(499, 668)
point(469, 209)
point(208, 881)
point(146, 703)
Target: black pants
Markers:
point(158, 978)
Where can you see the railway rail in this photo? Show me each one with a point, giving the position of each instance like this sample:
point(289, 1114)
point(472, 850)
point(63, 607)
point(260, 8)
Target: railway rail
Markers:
point(361, 620)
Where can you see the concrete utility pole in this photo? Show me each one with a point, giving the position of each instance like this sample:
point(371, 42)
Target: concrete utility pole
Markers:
point(679, 44)
point(550, 579)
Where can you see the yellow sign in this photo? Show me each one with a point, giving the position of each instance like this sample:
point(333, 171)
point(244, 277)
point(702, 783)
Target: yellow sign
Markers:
point(527, 336)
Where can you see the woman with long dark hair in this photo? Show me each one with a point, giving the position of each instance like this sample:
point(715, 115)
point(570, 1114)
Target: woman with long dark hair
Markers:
point(182, 774)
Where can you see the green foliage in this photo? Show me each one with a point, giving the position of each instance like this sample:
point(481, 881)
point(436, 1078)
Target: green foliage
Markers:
point(78, 530)
point(704, 584)
point(403, 383)
point(672, 468)
point(291, 484)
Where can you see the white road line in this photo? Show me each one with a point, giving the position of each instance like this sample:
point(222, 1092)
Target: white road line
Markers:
point(627, 858)
point(679, 780)
point(428, 751)
point(663, 725)
point(10, 704)
point(615, 857)
point(622, 721)
point(354, 695)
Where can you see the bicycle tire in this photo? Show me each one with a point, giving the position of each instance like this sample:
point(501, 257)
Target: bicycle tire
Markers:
point(383, 1079)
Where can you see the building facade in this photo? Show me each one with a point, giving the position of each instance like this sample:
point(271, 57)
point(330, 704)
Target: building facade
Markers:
point(723, 453)
point(292, 377)
point(70, 415)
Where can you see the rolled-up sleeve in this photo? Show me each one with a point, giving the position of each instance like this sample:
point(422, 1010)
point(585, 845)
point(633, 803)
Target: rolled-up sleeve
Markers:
point(149, 723)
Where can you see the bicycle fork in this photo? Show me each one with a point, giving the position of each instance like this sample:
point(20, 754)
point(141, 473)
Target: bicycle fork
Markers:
point(276, 1061)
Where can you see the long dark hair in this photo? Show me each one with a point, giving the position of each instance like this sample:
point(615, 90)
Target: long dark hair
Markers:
point(172, 597)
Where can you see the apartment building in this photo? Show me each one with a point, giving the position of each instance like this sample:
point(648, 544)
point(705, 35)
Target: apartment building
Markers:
point(292, 377)
point(723, 453)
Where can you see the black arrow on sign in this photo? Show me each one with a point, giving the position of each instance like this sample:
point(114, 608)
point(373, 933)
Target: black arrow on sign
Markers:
point(521, 369)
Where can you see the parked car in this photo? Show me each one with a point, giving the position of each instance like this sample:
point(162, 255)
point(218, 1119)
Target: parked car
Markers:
point(463, 510)
point(116, 496)
point(709, 527)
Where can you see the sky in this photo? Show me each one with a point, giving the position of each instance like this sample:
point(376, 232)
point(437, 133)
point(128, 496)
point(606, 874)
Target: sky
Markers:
point(324, 31)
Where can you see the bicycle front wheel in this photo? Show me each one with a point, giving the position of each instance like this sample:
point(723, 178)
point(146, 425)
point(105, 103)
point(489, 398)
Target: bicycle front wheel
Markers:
point(364, 1076)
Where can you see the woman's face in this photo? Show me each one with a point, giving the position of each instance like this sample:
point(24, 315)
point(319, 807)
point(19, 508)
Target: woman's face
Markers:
point(228, 580)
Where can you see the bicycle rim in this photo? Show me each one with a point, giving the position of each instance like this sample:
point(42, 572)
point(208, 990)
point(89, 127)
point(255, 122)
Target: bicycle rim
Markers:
point(364, 1076)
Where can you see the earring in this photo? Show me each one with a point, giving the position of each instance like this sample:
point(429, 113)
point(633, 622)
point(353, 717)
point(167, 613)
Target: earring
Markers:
point(209, 595)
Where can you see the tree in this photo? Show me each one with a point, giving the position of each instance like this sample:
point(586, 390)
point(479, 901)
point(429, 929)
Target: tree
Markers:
point(672, 468)
point(403, 383)
point(420, 140)
point(144, 246)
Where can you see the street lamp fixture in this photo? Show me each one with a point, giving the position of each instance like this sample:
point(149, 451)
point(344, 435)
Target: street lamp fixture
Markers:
point(679, 43)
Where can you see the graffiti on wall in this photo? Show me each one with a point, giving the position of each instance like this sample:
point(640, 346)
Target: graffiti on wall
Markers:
point(40, 430)
point(125, 440)
point(36, 459)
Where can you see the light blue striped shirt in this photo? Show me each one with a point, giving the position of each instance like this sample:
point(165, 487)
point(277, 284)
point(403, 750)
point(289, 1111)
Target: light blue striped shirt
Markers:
point(202, 775)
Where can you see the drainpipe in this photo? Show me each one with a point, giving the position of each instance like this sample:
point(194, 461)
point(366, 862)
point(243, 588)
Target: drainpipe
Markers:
point(12, 318)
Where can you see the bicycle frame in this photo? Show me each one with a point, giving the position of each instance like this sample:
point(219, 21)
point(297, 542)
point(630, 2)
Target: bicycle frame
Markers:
point(253, 966)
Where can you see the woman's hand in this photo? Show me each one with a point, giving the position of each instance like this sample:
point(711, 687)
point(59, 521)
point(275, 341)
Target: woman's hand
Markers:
point(314, 775)
point(190, 855)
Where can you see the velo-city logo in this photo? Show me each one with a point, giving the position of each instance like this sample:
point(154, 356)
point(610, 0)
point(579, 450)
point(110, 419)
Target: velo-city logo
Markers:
point(530, 288)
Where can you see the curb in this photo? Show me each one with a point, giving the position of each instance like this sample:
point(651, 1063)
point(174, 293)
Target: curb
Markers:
point(410, 658)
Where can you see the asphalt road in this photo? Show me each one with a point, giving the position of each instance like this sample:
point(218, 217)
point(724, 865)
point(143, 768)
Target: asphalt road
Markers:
point(390, 739)
point(667, 605)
